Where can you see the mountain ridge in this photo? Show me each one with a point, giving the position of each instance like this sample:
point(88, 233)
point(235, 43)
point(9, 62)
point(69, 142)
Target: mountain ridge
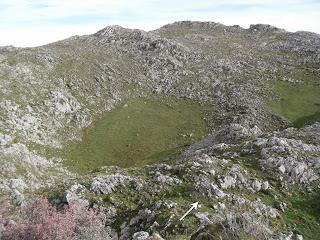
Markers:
point(252, 98)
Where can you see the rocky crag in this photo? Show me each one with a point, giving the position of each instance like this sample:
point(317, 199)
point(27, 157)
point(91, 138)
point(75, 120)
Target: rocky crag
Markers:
point(256, 173)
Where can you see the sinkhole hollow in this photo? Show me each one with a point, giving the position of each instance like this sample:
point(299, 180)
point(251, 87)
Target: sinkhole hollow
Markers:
point(139, 132)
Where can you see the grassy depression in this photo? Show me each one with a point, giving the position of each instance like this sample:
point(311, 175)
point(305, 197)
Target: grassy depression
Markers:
point(299, 102)
point(137, 133)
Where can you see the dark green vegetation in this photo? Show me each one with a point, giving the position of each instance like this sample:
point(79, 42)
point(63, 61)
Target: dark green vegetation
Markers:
point(138, 132)
point(302, 211)
point(299, 102)
point(303, 215)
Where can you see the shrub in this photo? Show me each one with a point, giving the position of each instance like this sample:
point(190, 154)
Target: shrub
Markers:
point(4, 213)
point(245, 225)
point(39, 220)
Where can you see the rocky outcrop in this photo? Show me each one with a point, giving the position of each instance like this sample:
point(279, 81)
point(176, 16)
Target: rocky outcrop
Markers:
point(108, 184)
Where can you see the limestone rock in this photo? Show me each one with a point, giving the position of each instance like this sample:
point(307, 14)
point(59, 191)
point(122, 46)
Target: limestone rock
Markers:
point(140, 235)
point(107, 184)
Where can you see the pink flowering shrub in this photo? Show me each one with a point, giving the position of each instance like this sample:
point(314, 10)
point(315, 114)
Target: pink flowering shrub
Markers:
point(4, 215)
point(41, 221)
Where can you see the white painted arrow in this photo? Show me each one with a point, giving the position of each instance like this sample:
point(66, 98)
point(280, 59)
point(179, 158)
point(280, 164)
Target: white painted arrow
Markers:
point(193, 206)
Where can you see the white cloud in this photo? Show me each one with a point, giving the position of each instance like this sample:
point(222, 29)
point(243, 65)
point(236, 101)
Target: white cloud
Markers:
point(37, 36)
point(34, 22)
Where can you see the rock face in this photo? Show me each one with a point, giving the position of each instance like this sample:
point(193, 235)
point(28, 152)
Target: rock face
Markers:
point(108, 184)
point(248, 174)
point(76, 194)
point(140, 235)
point(291, 157)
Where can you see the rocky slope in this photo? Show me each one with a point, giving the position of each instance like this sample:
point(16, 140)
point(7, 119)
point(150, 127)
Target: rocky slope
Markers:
point(256, 173)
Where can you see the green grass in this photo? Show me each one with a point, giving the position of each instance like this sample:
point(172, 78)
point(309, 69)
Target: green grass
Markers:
point(303, 215)
point(300, 102)
point(137, 133)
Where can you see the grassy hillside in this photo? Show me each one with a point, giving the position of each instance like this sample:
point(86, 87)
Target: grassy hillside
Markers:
point(300, 101)
point(138, 132)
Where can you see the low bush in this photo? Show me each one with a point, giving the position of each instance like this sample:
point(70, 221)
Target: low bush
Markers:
point(39, 220)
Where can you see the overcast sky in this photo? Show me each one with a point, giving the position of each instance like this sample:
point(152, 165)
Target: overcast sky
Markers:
point(37, 22)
